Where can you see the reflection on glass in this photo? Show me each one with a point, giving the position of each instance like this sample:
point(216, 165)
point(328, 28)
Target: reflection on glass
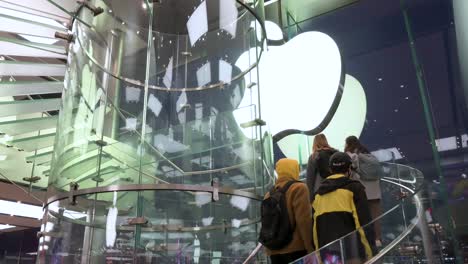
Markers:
point(228, 16)
point(204, 74)
point(197, 25)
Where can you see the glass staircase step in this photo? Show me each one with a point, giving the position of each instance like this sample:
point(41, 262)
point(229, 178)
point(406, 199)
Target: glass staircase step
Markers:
point(13, 108)
point(22, 126)
point(28, 88)
point(42, 8)
point(34, 143)
point(16, 68)
point(15, 47)
point(29, 25)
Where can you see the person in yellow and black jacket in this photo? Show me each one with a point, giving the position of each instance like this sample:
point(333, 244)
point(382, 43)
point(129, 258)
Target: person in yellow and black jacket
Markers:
point(340, 207)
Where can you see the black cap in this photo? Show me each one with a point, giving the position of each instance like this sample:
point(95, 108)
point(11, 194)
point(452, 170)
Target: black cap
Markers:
point(340, 162)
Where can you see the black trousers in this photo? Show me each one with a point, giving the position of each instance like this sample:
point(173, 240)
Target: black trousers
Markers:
point(287, 258)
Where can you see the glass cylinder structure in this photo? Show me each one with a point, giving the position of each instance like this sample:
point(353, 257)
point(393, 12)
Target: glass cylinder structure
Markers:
point(160, 154)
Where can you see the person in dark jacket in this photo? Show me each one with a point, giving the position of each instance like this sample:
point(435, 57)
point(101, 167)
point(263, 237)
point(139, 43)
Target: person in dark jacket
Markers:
point(318, 165)
point(340, 207)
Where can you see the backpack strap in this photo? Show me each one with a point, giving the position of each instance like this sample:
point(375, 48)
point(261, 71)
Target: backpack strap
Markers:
point(285, 188)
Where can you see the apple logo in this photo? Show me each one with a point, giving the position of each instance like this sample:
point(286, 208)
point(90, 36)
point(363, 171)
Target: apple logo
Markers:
point(349, 119)
point(303, 92)
point(300, 83)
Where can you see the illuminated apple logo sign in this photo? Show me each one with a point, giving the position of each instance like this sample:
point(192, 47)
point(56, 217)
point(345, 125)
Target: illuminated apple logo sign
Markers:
point(301, 89)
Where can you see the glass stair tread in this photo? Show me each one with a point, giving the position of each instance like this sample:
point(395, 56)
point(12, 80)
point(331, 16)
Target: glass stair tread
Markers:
point(22, 126)
point(29, 25)
point(28, 88)
point(15, 47)
point(34, 142)
point(42, 8)
point(13, 108)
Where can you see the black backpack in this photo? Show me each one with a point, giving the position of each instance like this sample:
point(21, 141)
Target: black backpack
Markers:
point(276, 231)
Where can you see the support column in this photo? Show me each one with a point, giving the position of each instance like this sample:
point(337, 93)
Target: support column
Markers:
point(460, 11)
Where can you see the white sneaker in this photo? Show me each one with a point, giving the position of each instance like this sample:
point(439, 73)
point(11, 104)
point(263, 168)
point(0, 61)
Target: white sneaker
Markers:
point(378, 243)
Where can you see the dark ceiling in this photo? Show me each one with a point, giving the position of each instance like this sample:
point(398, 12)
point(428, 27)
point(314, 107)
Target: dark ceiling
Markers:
point(374, 42)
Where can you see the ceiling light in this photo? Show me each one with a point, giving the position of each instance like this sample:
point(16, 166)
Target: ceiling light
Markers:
point(380, 79)
point(144, 6)
point(23, 210)
point(3, 157)
point(2, 227)
point(402, 86)
point(406, 98)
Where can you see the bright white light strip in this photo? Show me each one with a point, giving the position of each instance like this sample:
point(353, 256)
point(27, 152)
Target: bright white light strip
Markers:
point(387, 154)
point(204, 74)
point(2, 227)
point(197, 25)
point(168, 76)
point(41, 40)
point(225, 71)
point(20, 209)
point(445, 144)
point(228, 16)
point(3, 157)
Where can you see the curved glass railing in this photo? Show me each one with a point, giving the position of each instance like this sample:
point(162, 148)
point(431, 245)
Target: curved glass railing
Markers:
point(160, 154)
point(403, 232)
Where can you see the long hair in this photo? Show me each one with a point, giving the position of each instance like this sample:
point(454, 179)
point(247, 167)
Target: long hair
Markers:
point(353, 145)
point(320, 142)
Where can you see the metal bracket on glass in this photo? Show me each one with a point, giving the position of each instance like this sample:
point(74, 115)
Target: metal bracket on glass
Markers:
point(97, 179)
point(65, 36)
point(95, 9)
point(100, 143)
point(137, 221)
point(255, 122)
point(225, 226)
point(215, 194)
point(32, 179)
point(252, 84)
point(49, 234)
point(71, 194)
